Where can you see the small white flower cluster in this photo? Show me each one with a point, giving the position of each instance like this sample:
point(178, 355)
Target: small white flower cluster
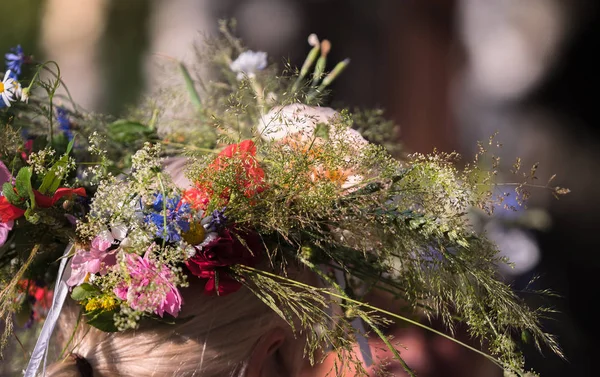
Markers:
point(146, 158)
point(127, 318)
point(95, 144)
point(11, 90)
point(94, 173)
point(39, 160)
point(248, 63)
point(62, 170)
point(144, 165)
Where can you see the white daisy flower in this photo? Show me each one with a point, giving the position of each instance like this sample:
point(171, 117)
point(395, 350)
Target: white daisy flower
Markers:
point(116, 235)
point(25, 95)
point(248, 63)
point(18, 91)
point(7, 87)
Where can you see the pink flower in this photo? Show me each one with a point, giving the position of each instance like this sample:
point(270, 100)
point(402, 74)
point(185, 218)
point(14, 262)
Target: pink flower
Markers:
point(5, 175)
point(7, 226)
point(97, 260)
point(4, 229)
point(150, 288)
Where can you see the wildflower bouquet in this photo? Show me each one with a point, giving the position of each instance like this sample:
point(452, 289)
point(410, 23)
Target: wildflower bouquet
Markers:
point(272, 183)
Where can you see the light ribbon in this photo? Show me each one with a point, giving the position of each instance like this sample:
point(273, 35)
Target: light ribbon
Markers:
point(357, 323)
point(40, 351)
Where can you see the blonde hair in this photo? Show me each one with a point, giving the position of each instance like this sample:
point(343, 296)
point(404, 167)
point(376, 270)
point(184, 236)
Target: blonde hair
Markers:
point(215, 337)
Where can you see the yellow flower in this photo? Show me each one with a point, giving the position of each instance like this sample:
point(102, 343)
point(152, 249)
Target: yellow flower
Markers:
point(195, 235)
point(92, 304)
point(104, 302)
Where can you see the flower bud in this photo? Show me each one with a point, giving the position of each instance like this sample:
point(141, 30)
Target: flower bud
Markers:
point(67, 205)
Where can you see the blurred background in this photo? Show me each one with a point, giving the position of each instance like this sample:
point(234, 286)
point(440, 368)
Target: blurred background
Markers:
point(448, 72)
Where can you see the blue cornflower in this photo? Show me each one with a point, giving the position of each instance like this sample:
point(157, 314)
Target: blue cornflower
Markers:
point(175, 217)
point(15, 59)
point(64, 124)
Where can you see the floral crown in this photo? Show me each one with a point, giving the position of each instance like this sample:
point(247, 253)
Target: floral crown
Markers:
point(89, 206)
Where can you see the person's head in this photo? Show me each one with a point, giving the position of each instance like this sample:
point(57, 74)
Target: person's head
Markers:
point(233, 335)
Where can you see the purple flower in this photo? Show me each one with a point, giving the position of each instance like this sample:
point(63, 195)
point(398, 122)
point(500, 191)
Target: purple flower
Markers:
point(150, 288)
point(171, 217)
point(97, 260)
point(217, 221)
point(15, 59)
point(5, 175)
point(5, 228)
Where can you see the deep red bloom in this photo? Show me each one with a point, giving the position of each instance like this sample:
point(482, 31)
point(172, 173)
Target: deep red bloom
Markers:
point(221, 253)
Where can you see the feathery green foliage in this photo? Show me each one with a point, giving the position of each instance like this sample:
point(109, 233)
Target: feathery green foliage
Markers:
point(327, 192)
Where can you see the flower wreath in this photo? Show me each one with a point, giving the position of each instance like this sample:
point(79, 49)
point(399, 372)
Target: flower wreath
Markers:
point(276, 180)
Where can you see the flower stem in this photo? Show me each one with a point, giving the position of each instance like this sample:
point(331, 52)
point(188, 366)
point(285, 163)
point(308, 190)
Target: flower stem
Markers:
point(380, 310)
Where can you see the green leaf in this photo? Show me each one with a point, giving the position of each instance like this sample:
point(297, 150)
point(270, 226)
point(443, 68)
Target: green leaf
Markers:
point(102, 320)
point(51, 180)
point(322, 130)
point(127, 131)
point(9, 193)
point(70, 146)
point(56, 173)
point(191, 88)
point(32, 216)
point(23, 185)
point(85, 291)
point(60, 142)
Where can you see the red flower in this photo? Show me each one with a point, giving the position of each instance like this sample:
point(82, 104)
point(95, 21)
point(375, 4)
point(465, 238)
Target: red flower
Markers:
point(47, 201)
point(27, 148)
point(8, 211)
point(35, 300)
point(36, 291)
point(249, 176)
point(246, 147)
point(197, 197)
point(212, 260)
point(11, 212)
